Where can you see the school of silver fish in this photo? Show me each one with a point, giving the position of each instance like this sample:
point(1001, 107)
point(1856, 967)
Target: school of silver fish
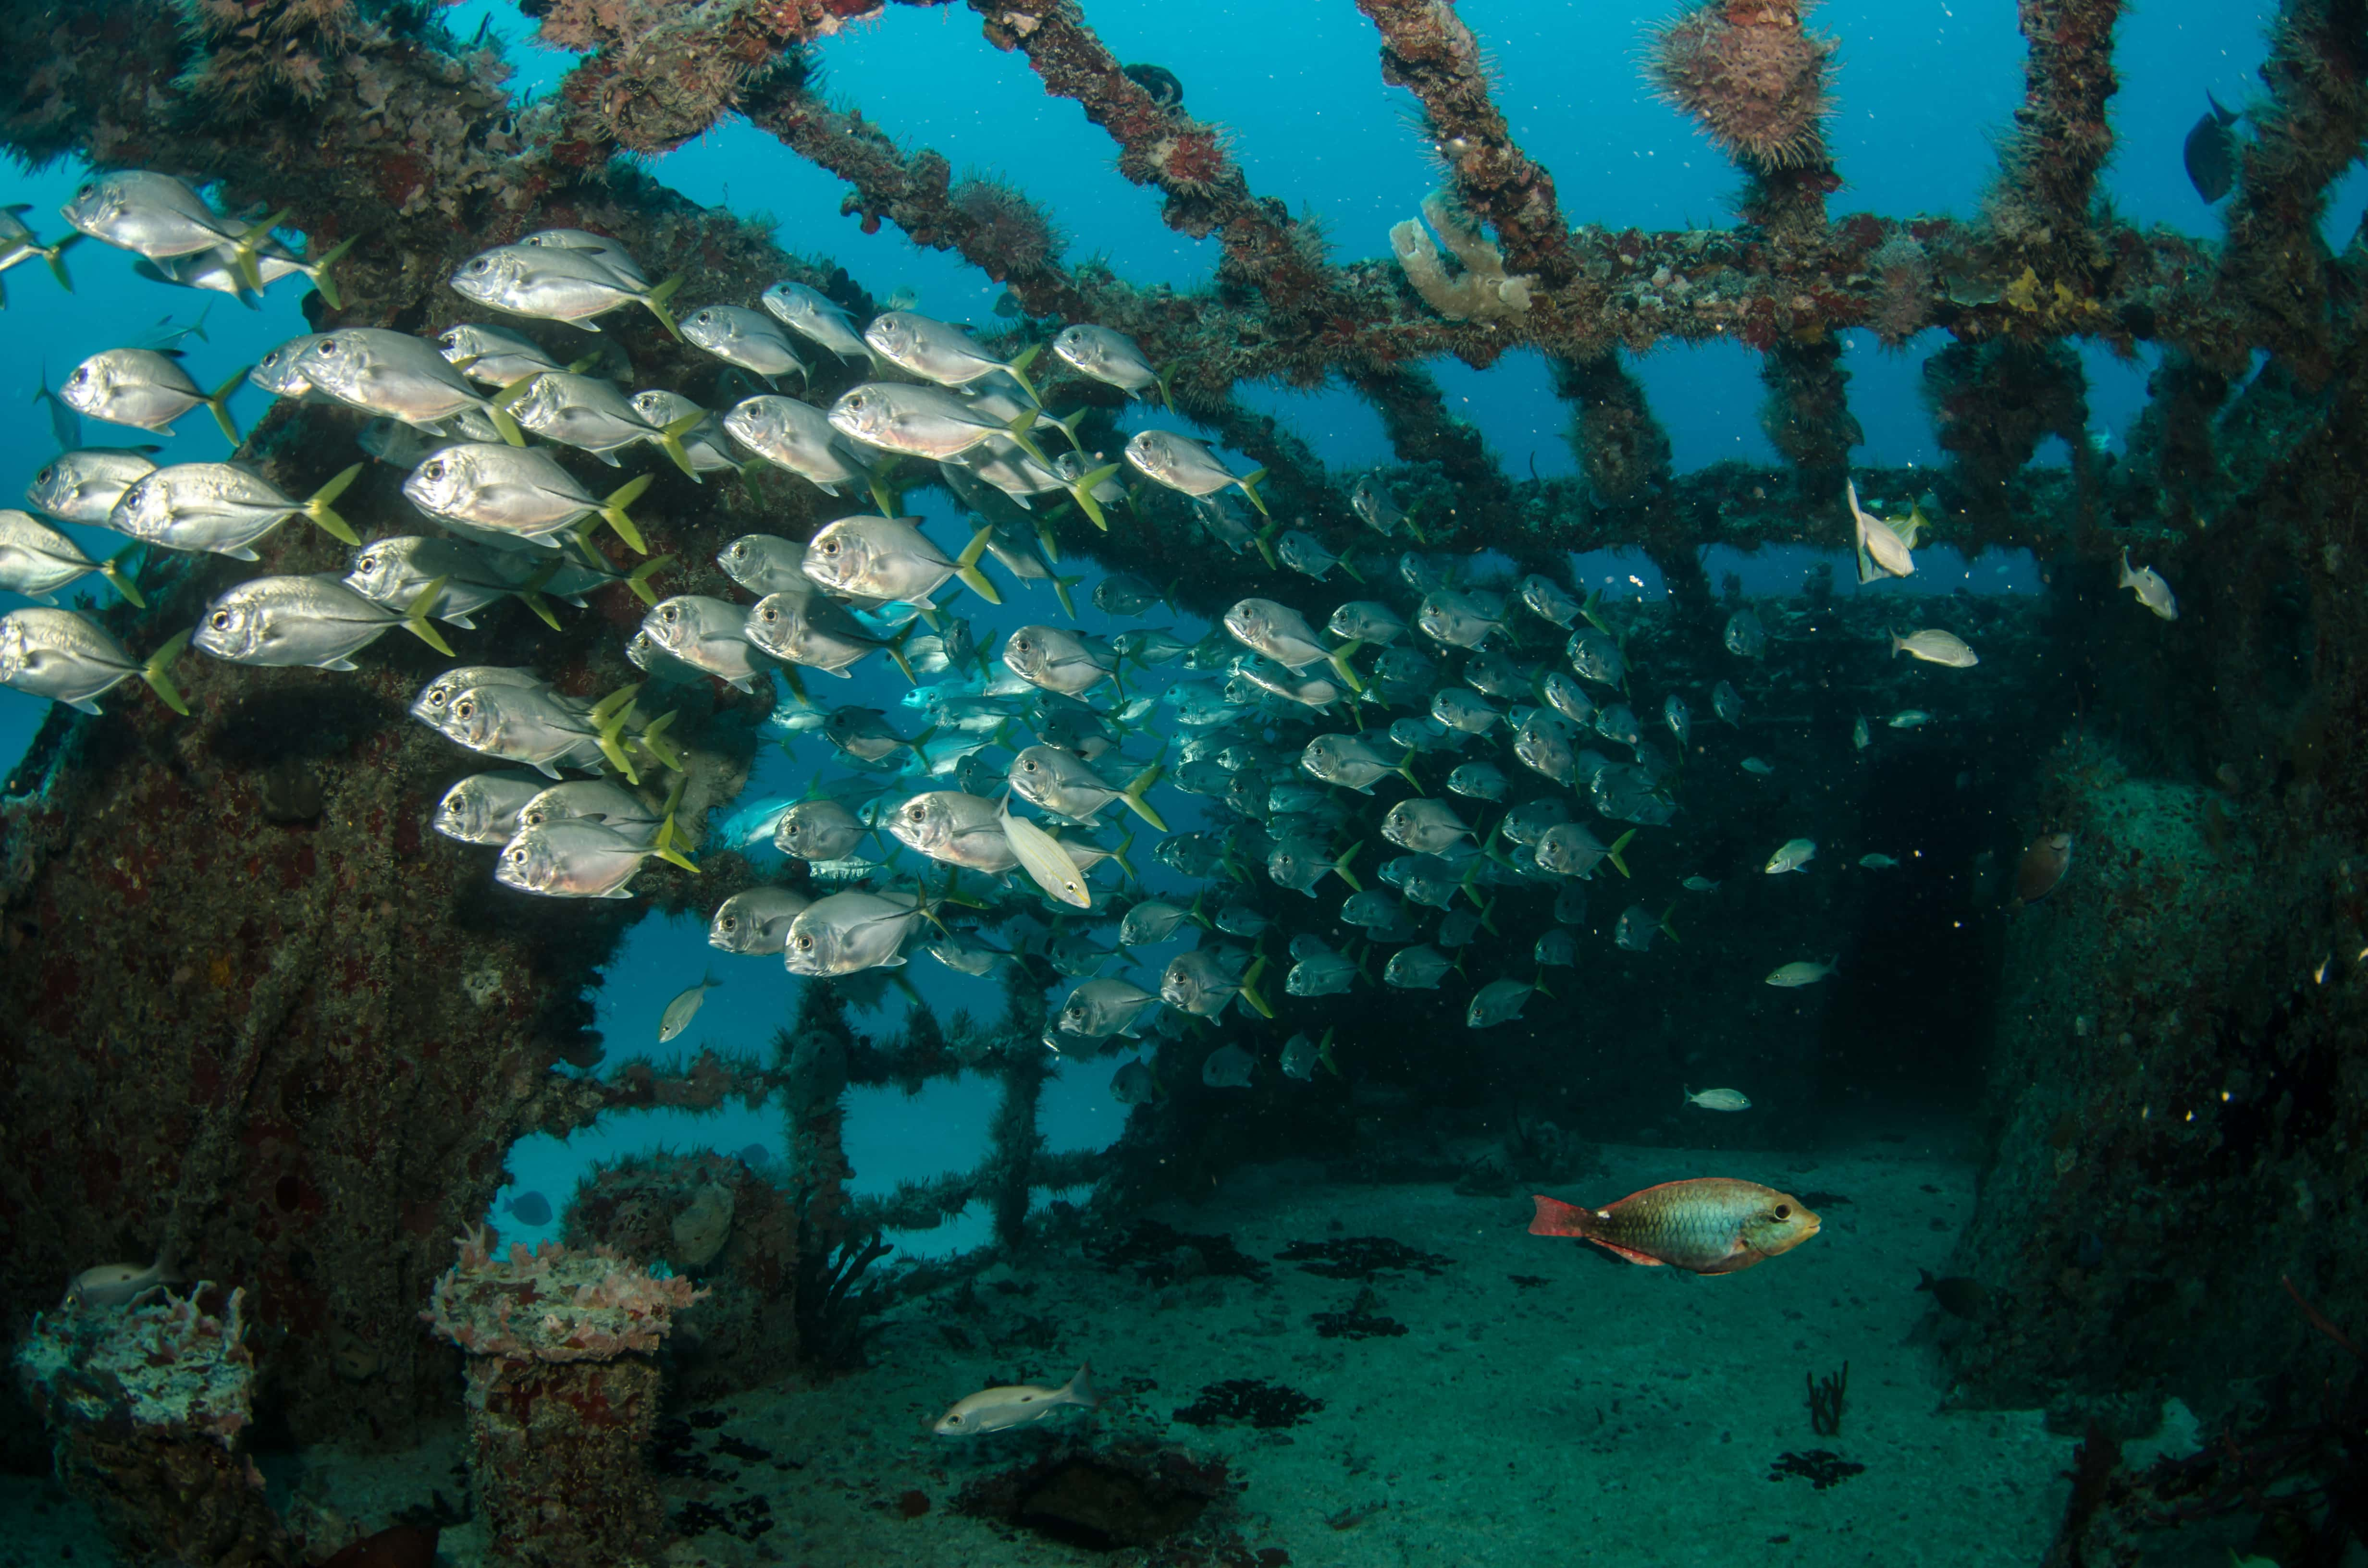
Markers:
point(1503, 721)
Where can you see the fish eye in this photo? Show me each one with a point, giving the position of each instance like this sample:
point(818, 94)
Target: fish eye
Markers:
point(727, 922)
point(771, 616)
point(46, 475)
point(518, 856)
point(1783, 1210)
point(220, 620)
point(479, 264)
point(670, 614)
point(464, 708)
point(805, 944)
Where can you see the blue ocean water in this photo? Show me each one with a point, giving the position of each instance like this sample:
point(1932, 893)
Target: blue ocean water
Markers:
point(1924, 91)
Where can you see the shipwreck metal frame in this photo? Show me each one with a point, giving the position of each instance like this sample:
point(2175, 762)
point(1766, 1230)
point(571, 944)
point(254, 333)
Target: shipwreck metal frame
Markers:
point(367, 115)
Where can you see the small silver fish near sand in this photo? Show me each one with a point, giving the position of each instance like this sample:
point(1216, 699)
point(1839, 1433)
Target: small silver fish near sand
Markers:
point(1016, 1404)
point(683, 1008)
point(1718, 1099)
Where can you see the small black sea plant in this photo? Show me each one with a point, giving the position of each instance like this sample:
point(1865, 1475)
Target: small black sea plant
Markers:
point(1826, 1396)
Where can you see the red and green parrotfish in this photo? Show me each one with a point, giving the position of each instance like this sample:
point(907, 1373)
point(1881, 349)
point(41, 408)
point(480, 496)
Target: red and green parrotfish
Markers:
point(1708, 1225)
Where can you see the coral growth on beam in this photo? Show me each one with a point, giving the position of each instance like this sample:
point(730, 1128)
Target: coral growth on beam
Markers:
point(1482, 292)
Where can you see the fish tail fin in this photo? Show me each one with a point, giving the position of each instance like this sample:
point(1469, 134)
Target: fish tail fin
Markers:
point(1487, 918)
point(670, 438)
point(1411, 528)
point(1126, 867)
point(616, 702)
point(1341, 866)
point(1538, 985)
point(652, 740)
point(1061, 586)
point(1488, 850)
point(1349, 567)
point(159, 682)
point(1017, 369)
point(56, 256)
point(1324, 1054)
point(665, 850)
point(890, 502)
point(1250, 991)
point(967, 566)
point(1666, 929)
point(1069, 427)
point(1081, 490)
point(1555, 1217)
point(1587, 608)
point(318, 271)
point(638, 579)
point(1167, 393)
point(245, 248)
point(1338, 658)
point(112, 569)
point(1080, 1389)
point(1017, 428)
point(1264, 538)
point(612, 511)
point(1139, 785)
point(1405, 771)
point(896, 646)
point(218, 404)
point(415, 622)
point(1613, 854)
point(656, 300)
point(531, 595)
point(317, 506)
point(1250, 482)
point(1898, 643)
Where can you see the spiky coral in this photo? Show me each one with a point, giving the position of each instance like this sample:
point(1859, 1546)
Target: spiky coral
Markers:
point(1483, 291)
point(1904, 288)
point(1750, 76)
point(254, 51)
point(1007, 226)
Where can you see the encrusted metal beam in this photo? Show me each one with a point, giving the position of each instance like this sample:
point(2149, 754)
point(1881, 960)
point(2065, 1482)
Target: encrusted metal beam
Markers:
point(1426, 48)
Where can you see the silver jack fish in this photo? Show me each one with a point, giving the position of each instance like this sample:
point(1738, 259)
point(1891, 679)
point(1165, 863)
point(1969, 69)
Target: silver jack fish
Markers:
point(516, 493)
point(37, 560)
point(83, 486)
point(890, 558)
point(484, 808)
point(222, 508)
point(815, 317)
point(755, 923)
point(946, 355)
point(399, 376)
point(316, 622)
point(69, 658)
point(579, 859)
point(146, 390)
point(954, 829)
point(850, 931)
point(1110, 358)
point(1183, 464)
point(558, 282)
point(798, 439)
point(749, 339)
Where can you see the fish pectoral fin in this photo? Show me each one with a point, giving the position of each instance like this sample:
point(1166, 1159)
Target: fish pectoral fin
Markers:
point(1631, 1253)
point(241, 554)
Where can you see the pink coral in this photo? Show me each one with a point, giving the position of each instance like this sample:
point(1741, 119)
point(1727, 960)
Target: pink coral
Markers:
point(553, 1303)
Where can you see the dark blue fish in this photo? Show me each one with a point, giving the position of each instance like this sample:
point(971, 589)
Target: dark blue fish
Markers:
point(2212, 153)
point(529, 1208)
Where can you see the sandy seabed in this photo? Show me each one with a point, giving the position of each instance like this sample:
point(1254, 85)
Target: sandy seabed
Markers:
point(1546, 1403)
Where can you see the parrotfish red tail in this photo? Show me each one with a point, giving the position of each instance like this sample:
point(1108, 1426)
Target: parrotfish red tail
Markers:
point(1555, 1217)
